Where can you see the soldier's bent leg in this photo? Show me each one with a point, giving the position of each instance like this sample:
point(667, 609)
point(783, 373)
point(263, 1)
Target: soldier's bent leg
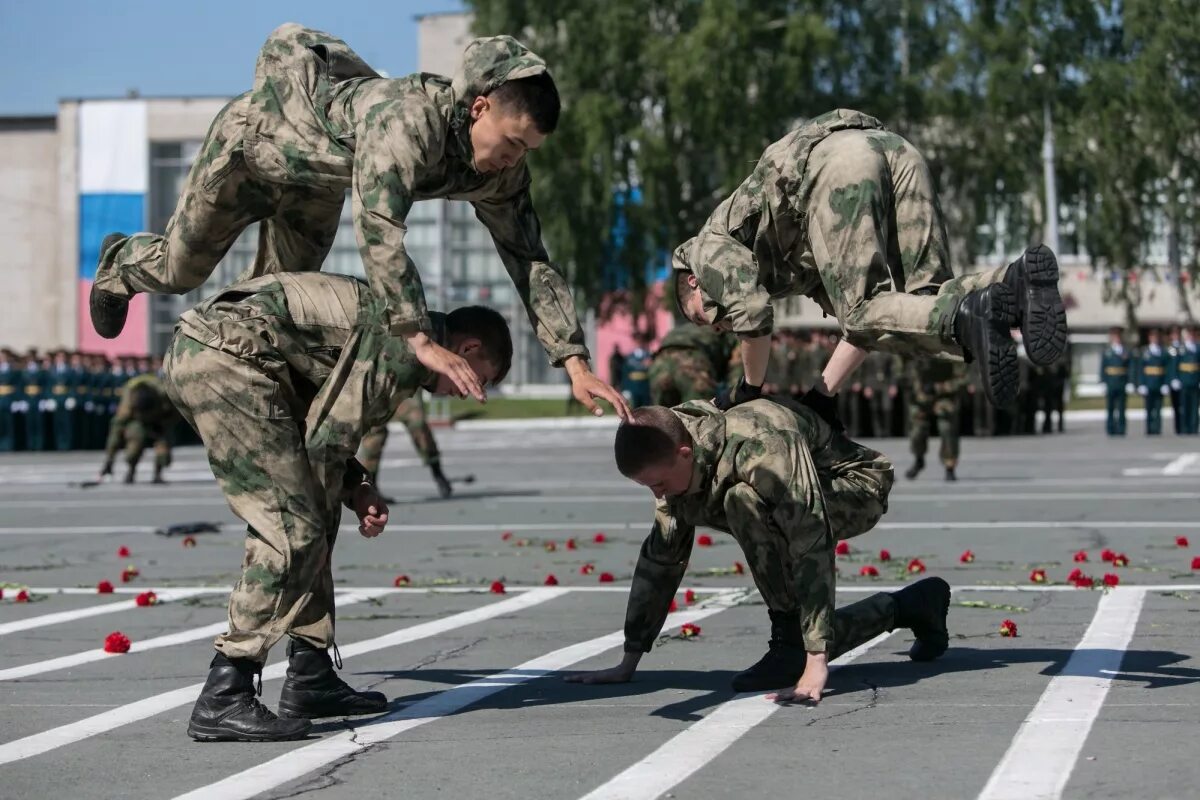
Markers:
point(256, 451)
point(219, 200)
point(299, 235)
point(918, 436)
point(135, 445)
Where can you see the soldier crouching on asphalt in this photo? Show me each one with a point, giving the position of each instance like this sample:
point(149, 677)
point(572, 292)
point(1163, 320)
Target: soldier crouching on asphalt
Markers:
point(281, 376)
point(778, 478)
point(144, 417)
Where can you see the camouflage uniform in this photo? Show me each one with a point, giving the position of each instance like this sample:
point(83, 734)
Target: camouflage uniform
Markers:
point(136, 425)
point(412, 414)
point(320, 121)
point(690, 363)
point(934, 394)
point(774, 475)
point(879, 376)
point(281, 376)
point(844, 212)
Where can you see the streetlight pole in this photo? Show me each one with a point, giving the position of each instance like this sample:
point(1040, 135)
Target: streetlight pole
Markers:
point(1051, 230)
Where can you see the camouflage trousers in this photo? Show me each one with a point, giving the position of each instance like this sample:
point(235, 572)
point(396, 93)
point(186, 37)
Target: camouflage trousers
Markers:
point(412, 413)
point(923, 412)
point(877, 235)
point(679, 374)
point(135, 437)
point(842, 502)
point(257, 453)
point(221, 198)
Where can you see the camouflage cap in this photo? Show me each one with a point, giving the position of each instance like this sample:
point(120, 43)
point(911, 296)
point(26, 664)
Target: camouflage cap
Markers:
point(487, 63)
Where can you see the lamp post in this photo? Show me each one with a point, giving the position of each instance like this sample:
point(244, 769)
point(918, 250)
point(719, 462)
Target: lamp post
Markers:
point(1051, 231)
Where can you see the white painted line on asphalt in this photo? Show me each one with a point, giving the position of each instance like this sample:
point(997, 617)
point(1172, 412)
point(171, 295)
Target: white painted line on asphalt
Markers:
point(700, 743)
point(82, 530)
point(1044, 751)
point(63, 735)
point(168, 640)
point(43, 620)
point(304, 760)
point(1181, 465)
point(895, 497)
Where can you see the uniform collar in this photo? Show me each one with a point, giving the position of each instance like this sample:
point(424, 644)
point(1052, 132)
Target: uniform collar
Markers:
point(706, 425)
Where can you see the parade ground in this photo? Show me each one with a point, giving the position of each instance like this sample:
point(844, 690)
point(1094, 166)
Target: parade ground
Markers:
point(1097, 695)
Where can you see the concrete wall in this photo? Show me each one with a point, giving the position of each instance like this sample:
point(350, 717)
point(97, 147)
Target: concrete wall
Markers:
point(29, 222)
point(441, 39)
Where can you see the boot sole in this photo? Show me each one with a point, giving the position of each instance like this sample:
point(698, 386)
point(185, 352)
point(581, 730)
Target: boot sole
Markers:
point(1003, 378)
point(108, 319)
point(299, 713)
point(1044, 317)
point(203, 733)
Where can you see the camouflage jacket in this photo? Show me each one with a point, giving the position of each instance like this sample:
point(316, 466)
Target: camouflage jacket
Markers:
point(319, 116)
point(155, 416)
point(777, 452)
point(324, 342)
point(754, 246)
point(717, 347)
point(933, 378)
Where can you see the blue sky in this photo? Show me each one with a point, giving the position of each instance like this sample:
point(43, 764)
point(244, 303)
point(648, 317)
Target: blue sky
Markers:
point(81, 48)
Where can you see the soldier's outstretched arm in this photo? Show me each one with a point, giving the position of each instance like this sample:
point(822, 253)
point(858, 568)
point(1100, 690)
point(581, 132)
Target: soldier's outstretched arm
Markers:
point(656, 579)
point(517, 233)
point(395, 144)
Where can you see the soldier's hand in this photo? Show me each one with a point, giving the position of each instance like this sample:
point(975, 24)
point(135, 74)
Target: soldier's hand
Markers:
point(1143, 391)
point(825, 406)
point(371, 509)
point(742, 392)
point(438, 359)
point(585, 386)
point(811, 684)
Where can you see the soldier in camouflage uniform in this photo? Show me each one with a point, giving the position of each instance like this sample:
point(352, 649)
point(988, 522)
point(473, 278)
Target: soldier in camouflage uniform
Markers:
point(935, 386)
point(778, 478)
point(844, 211)
point(144, 416)
point(320, 121)
point(411, 413)
point(690, 364)
point(281, 376)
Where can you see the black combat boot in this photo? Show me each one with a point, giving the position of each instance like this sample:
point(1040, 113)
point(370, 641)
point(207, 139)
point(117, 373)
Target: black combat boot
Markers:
point(923, 606)
point(131, 473)
point(108, 310)
point(443, 483)
point(1041, 314)
point(982, 327)
point(312, 689)
point(916, 468)
point(950, 474)
point(158, 474)
point(228, 709)
point(785, 659)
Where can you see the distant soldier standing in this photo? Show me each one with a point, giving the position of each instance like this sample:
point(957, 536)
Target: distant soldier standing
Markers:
point(1116, 374)
point(933, 400)
point(410, 413)
point(1153, 379)
point(635, 375)
point(1187, 375)
point(8, 397)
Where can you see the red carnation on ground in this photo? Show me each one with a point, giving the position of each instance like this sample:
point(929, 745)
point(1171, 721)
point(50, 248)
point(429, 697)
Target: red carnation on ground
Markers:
point(916, 566)
point(1008, 628)
point(967, 557)
point(1111, 579)
point(869, 571)
point(506, 536)
point(550, 547)
point(1081, 557)
point(116, 642)
point(146, 599)
point(550, 581)
point(571, 544)
point(689, 597)
point(600, 538)
point(497, 588)
point(1196, 562)
point(688, 630)
point(129, 573)
point(842, 548)
point(1181, 541)
point(739, 568)
point(1084, 582)
point(189, 541)
point(606, 577)
point(671, 609)
point(401, 580)
point(104, 587)
point(23, 596)
point(1107, 555)
point(1120, 560)
point(1075, 573)
point(521, 543)
point(123, 552)
point(704, 540)
point(885, 555)
point(587, 569)
point(1038, 576)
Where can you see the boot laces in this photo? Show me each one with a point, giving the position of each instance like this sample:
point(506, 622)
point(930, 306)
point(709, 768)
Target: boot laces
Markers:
point(337, 655)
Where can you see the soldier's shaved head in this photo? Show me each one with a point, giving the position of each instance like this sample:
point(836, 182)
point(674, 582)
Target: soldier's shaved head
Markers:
point(653, 435)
